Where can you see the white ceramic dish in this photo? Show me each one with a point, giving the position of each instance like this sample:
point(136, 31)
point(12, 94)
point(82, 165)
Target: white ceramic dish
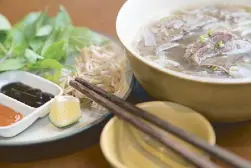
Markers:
point(30, 114)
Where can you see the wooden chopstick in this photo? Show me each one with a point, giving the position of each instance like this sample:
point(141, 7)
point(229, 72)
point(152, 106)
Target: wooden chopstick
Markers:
point(227, 157)
point(122, 113)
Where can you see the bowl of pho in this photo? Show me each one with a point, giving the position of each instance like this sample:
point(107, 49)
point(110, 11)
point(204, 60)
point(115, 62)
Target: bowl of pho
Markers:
point(196, 53)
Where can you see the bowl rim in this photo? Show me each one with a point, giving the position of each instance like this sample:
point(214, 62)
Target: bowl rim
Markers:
point(114, 162)
point(180, 75)
point(103, 138)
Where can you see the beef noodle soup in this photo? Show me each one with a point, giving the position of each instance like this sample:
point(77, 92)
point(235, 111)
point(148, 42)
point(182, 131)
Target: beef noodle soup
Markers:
point(213, 41)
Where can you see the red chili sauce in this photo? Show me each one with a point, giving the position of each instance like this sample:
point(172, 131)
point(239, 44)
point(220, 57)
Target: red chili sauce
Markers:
point(8, 116)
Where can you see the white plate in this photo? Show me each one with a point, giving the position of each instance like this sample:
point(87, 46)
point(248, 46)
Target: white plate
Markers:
point(43, 131)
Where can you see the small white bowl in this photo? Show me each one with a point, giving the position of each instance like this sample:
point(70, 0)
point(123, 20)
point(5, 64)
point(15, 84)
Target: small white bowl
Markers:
point(29, 113)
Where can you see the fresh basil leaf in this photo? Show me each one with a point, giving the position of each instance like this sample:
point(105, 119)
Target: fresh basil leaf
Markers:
point(42, 21)
point(50, 40)
point(31, 56)
point(8, 40)
point(49, 64)
point(3, 36)
point(39, 43)
point(57, 35)
point(65, 33)
point(11, 64)
point(4, 23)
point(62, 19)
point(82, 37)
point(32, 23)
point(56, 51)
point(27, 24)
point(36, 44)
point(3, 50)
point(53, 76)
point(28, 19)
point(32, 29)
point(44, 31)
point(18, 43)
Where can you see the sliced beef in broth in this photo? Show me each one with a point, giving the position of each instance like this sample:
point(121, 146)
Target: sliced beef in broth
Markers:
point(220, 42)
point(211, 41)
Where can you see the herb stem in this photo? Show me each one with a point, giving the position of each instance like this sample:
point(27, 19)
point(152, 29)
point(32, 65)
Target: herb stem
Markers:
point(2, 48)
point(6, 56)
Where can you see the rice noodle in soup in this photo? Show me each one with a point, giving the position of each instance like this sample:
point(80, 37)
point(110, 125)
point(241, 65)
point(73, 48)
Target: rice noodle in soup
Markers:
point(212, 41)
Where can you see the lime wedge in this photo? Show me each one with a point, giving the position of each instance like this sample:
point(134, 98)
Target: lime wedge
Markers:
point(65, 110)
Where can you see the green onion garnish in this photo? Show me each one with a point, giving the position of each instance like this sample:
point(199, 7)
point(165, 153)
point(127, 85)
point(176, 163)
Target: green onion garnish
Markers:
point(202, 38)
point(210, 32)
point(220, 44)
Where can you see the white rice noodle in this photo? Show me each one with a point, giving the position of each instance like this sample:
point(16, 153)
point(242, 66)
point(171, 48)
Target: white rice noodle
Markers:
point(163, 61)
point(216, 26)
point(237, 51)
point(240, 71)
point(246, 32)
point(149, 38)
point(166, 46)
point(244, 23)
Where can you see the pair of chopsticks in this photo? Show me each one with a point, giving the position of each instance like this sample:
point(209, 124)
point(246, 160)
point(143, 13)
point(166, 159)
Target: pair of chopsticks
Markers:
point(127, 112)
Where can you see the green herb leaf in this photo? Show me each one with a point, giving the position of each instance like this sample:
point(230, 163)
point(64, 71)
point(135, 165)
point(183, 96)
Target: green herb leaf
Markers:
point(40, 43)
point(4, 23)
point(28, 19)
point(32, 56)
point(62, 19)
point(83, 37)
point(3, 36)
point(27, 24)
point(42, 20)
point(53, 76)
point(49, 64)
point(18, 43)
point(3, 50)
point(51, 69)
point(44, 31)
point(11, 64)
point(36, 44)
point(54, 37)
point(56, 51)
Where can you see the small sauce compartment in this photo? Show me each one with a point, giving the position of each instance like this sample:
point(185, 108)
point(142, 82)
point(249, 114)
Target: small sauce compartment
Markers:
point(14, 128)
point(28, 88)
point(18, 108)
point(8, 116)
point(28, 95)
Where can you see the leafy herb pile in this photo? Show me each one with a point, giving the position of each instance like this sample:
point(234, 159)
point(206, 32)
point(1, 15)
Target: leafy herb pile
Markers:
point(41, 44)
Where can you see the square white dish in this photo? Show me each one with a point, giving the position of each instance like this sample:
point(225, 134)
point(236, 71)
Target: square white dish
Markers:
point(33, 81)
point(29, 113)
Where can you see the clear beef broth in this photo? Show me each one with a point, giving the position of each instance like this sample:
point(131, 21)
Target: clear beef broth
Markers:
point(213, 41)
